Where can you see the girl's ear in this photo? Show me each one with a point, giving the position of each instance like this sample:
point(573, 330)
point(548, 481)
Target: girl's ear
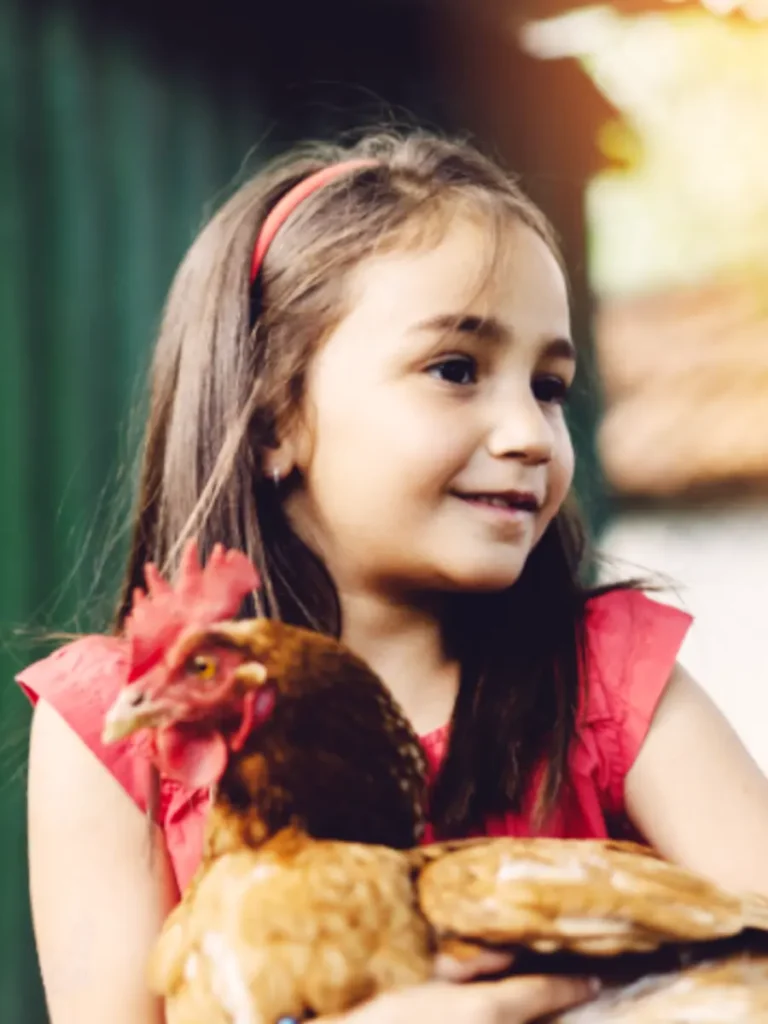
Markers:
point(278, 462)
point(291, 450)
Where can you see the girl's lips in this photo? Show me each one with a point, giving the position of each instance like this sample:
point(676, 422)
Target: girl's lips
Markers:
point(501, 511)
point(507, 501)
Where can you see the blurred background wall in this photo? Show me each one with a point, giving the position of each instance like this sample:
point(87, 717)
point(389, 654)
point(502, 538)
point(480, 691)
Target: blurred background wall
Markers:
point(123, 124)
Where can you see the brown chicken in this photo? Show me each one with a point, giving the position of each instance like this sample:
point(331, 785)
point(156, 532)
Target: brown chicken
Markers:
point(311, 896)
point(304, 902)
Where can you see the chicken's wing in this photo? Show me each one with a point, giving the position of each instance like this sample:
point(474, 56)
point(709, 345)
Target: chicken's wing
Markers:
point(587, 896)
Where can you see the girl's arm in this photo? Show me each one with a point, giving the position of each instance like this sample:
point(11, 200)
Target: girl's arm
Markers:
point(98, 899)
point(696, 794)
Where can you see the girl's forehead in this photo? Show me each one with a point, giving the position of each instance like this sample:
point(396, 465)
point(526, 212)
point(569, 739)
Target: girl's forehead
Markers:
point(469, 265)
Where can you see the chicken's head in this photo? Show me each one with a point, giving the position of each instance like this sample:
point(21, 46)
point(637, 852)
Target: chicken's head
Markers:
point(189, 688)
point(320, 738)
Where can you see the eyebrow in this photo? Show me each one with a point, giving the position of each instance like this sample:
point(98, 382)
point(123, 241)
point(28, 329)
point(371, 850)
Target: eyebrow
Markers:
point(488, 328)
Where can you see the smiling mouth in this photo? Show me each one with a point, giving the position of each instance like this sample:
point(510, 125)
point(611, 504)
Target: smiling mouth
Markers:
point(509, 502)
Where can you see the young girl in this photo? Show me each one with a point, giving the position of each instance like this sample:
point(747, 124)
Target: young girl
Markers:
point(360, 381)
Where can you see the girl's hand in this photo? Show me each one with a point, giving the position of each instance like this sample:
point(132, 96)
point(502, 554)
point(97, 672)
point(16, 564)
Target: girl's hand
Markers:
point(511, 1001)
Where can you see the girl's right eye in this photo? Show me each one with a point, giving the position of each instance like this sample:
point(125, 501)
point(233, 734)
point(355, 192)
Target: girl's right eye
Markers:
point(460, 370)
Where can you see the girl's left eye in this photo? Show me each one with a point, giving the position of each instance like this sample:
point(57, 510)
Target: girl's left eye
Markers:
point(460, 370)
point(553, 390)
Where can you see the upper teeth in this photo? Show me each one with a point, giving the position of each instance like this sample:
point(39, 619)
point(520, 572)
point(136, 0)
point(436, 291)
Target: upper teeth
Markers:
point(500, 501)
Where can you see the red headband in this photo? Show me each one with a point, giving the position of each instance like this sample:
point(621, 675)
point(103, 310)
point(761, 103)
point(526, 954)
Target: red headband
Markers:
point(282, 210)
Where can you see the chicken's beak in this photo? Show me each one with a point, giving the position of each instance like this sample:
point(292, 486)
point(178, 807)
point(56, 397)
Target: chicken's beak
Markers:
point(130, 712)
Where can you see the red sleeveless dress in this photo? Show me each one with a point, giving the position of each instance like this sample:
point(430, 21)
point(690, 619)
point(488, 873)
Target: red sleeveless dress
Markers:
point(632, 645)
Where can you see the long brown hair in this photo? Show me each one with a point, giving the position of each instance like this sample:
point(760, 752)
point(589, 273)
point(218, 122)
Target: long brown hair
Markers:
point(229, 372)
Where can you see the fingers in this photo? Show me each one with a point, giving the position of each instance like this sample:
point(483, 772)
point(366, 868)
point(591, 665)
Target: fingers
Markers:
point(523, 999)
point(482, 962)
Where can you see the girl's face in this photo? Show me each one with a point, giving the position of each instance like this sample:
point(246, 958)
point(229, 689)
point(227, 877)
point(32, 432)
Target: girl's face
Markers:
point(434, 449)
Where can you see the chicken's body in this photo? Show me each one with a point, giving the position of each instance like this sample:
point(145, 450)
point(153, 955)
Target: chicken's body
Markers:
point(297, 928)
point(335, 758)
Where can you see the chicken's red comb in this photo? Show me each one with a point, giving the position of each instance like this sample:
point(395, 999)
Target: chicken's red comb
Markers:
point(199, 598)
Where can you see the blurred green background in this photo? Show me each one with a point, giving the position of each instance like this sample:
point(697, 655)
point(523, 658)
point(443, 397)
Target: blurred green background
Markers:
point(121, 126)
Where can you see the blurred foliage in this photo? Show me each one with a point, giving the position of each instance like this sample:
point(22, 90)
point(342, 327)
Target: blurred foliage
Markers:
point(689, 199)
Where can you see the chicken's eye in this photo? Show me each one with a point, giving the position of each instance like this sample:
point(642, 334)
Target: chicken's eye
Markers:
point(202, 666)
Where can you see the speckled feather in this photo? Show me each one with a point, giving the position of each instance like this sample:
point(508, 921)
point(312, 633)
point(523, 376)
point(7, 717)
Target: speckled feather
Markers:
point(298, 927)
point(588, 896)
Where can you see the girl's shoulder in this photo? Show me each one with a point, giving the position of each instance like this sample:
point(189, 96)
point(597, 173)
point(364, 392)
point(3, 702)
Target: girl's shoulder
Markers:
point(632, 645)
point(632, 642)
point(80, 681)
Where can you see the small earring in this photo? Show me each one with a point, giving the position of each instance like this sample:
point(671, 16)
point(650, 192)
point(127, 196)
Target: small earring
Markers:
point(277, 476)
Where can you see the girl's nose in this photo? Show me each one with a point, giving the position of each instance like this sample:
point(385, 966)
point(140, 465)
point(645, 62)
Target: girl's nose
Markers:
point(521, 431)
